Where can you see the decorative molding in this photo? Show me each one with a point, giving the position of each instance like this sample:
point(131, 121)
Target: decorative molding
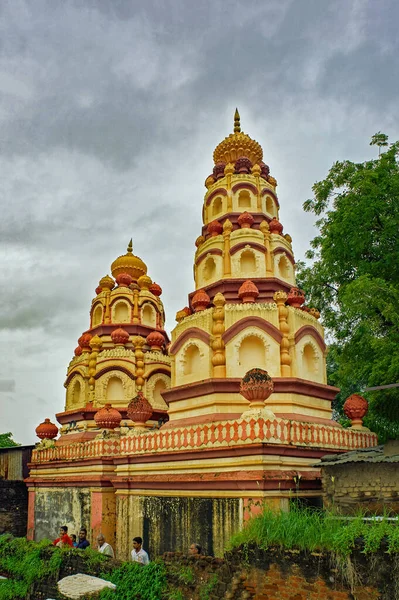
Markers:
point(253, 245)
point(308, 330)
point(201, 257)
point(280, 250)
point(244, 186)
point(246, 322)
point(193, 332)
point(217, 192)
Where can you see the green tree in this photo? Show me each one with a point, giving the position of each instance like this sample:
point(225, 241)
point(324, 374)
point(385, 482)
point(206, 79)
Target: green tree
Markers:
point(353, 277)
point(6, 440)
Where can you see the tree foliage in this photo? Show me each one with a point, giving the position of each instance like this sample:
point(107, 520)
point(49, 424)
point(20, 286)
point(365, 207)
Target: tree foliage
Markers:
point(6, 440)
point(353, 277)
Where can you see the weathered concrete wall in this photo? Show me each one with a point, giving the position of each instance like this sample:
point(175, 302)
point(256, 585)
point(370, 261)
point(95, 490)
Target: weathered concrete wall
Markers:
point(172, 524)
point(372, 487)
point(13, 507)
point(54, 508)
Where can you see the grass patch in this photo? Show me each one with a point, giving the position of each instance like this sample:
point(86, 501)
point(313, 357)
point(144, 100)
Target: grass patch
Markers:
point(135, 581)
point(304, 529)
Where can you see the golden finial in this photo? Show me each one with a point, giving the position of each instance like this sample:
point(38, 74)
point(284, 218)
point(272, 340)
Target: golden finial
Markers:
point(130, 246)
point(237, 126)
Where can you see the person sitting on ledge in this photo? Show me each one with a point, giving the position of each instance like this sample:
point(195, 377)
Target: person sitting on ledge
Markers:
point(83, 543)
point(195, 550)
point(104, 547)
point(138, 554)
point(64, 539)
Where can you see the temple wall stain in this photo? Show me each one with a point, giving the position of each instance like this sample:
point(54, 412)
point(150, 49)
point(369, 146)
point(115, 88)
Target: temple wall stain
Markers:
point(54, 508)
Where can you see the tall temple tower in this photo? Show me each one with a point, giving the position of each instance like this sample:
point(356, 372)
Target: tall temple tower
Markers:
point(160, 439)
point(245, 311)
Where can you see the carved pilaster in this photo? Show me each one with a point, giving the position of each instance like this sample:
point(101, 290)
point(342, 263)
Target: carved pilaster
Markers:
point(227, 229)
point(138, 343)
point(95, 345)
point(256, 172)
point(229, 171)
point(264, 227)
point(136, 306)
point(218, 347)
point(285, 358)
point(107, 312)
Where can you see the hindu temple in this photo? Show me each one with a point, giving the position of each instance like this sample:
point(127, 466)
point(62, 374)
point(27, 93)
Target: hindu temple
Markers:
point(183, 439)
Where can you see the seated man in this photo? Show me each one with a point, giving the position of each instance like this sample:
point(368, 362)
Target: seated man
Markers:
point(64, 539)
point(195, 549)
point(138, 554)
point(83, 543)
point(104, 547)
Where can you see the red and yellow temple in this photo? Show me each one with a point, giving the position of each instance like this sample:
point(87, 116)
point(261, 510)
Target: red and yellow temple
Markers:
point(158, 437)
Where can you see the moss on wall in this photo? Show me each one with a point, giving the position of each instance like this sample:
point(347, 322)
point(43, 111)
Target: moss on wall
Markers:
point(54, 508)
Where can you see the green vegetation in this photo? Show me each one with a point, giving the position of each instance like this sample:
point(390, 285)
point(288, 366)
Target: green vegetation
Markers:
point(353, 278)
point(25, 562)
point(6, 440)
point(302, 529)
point(135, 581)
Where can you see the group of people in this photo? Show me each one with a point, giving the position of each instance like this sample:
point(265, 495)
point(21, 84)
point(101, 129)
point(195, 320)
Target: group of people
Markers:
point(138, 554)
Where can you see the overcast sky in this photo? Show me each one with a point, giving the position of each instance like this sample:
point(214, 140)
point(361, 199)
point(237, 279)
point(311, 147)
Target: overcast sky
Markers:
point(109, 114)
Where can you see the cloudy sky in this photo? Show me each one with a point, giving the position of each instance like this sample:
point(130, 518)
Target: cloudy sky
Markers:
point(109, 114)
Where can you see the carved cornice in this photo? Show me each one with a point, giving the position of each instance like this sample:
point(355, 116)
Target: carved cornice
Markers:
point(242, 245)
point(244, 186)
point(246, 322)
point(309, 330)
point(193, 332)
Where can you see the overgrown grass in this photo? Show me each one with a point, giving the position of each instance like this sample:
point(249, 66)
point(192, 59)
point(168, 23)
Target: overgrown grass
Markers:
point(24, 561)
point(304, 529)
point(135, 581)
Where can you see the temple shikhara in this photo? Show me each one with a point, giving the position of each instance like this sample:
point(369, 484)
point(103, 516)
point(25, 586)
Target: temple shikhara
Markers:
point(182, 440)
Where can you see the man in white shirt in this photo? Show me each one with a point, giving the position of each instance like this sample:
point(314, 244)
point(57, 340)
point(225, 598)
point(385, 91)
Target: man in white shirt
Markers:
point(104, 547)
point(138, 554)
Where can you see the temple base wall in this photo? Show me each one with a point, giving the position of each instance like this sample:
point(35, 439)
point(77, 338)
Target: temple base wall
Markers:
point(172, 523)
point(56, 507)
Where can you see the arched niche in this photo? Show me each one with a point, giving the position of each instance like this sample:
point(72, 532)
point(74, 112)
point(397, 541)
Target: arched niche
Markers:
point(148, 315)
point(310, 362)
point(284, 267)
point(270, 206)
point(217, 206)
point(192, 360)
point(155, 386)
point(247, 263)
point(76, 392)
point(209, 269)
point(97, 315)
point(252, 353)
point(244, 199)
point(121, 312)
point(115, 391)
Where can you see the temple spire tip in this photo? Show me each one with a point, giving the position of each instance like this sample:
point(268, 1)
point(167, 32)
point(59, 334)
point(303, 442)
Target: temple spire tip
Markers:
point(237, 126)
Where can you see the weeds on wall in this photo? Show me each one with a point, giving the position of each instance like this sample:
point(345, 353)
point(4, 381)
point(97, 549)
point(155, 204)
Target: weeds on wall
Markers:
point(132, 580)
point(312, 530)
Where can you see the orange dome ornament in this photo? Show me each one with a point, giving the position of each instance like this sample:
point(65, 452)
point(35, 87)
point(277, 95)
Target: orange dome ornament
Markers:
point(275, 226)
point(139, 410)
point(108, 417)
point(155, 289)
point(256, 386)
point(130, 264)
point(120, 337)
point(124, 279)
point(46, 430)
point(295, 298)
point(200, 301)
point(78, 351)
point(248, 292)
point(245, 220)
point(84, 342)
point(155, 340)
point(355, 408)
point(215, 228)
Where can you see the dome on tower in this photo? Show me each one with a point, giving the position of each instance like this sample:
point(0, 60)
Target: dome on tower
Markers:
point(238, 145)
point(130, 264)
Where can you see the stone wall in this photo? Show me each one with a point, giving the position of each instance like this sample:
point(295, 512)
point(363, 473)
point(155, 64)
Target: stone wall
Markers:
point(53, 508)
point(372, 487)
point(172, 524)
point(13, 507)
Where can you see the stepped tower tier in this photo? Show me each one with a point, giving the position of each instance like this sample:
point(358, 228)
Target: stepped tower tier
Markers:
point(122, 353)
point(242, 236)
point(245, 310)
